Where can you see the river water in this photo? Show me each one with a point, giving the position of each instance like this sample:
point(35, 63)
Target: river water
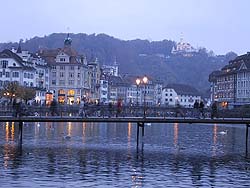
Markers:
point(105, 155)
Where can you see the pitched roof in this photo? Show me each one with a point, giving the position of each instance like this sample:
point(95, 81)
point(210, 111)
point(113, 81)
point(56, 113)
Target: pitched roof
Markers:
point(50, 54)
point(182, 89)
point(117, 81)
point(9, 54)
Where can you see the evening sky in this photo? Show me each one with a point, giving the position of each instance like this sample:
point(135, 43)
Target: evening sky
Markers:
point(218, 25)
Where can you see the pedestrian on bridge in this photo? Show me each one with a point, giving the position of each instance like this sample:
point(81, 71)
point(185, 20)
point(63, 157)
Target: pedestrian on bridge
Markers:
point(110, 108)
point(53, 108)
point(214, 112)
point(82, 108)
point(196, 109)
point(119, 107)
point(201, 108)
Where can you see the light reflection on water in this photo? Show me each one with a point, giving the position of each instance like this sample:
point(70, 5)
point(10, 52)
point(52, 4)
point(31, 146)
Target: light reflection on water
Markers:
point(105, 155)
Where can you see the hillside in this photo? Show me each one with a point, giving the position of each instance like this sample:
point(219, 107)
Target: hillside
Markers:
point(137, 57)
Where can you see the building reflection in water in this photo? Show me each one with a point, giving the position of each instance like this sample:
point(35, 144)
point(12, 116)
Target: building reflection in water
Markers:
point(129, 134)
point(69, 128)
point(7, 131)
point(215, 132)
point(176, 130)
point(37, 130)
point(84, 128)
point(12, 131)
point(9, 146)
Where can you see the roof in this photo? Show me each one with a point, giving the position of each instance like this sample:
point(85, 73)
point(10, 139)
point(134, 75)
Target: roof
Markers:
point(9, 54)
point(182, 89)
point(50, 55)
point(117, 81)
point(233, 67)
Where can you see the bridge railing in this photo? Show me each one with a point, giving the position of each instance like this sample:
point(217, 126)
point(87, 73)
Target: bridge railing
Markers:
point(127, 111)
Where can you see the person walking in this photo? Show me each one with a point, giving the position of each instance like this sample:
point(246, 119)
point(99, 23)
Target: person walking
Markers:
point(110, 107)
point(119, 107)
point(201, 108)
point(53, 108)
point(214, 110)
point(196, 108)
point(81, 108)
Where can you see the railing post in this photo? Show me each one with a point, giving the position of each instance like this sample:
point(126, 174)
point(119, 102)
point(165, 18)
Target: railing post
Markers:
point(137, 138)
point(247, 125)
point(142, 126)
point(20, 133)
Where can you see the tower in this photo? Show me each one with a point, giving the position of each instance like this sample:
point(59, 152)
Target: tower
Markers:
point(67, 41)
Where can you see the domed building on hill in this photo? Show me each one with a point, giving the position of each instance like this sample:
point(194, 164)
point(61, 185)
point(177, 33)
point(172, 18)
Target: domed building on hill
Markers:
point(184, 48)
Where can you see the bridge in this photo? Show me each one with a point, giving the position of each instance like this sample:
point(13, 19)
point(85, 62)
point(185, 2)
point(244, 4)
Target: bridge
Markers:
point(140, 121)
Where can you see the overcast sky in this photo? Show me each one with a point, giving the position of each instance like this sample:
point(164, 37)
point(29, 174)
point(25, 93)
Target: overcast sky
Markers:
point(218, 25)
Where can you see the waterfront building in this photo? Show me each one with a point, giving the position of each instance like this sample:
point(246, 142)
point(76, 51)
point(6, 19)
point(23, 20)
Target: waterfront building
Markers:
point(181, 94)
point(116, 89)
point(25, 68)
point(111, 70)
point(94, 76)
point(14, 69)
point(41, 76)
point(158, 92)
point(230, 86)
point(68, 74)
point(104, 91)
point(107, 71)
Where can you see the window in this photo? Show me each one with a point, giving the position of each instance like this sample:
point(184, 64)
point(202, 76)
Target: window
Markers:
point(71, 82)
point(71, 92)
point(4, 64)
point(71, 75)
point(61, 91)
point(71, 67)
point(15, 74)
point(62, 67)
point(53, 82)
point(61, 74)
point(53, 74)
point(1, 74)
point(61, 82)
point(7, 74)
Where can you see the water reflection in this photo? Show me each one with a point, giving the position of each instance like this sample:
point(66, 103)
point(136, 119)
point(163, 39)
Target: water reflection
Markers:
point(100, 155)
point(175, 134)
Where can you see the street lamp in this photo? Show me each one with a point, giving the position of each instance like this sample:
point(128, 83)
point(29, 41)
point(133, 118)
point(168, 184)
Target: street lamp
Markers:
point(145, 81)
point(10, 96)
point(138, 81)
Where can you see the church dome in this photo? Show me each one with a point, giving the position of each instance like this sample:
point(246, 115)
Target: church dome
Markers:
point(67, 41)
